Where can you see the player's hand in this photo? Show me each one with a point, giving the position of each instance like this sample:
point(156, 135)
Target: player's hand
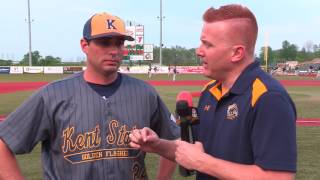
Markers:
point(144, 139)
point(187, 154)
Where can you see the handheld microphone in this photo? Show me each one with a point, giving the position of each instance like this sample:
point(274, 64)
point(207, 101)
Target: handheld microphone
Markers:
point(187, 116)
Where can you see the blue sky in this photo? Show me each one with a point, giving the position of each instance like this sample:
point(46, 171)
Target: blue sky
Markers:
point(57, 25)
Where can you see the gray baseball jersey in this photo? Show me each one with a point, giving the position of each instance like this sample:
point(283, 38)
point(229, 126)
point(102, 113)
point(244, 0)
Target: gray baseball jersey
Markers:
point(83, 135)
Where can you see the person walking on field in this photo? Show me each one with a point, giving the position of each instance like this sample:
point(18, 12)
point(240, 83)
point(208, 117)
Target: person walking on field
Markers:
point(318, 73)
point(83, 122)
point(174, 73)
point(247, 126)
point(149, 72)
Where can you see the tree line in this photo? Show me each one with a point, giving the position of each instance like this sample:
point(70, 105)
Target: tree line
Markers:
point(291, 52)
point(38, 60)
point(178, 56)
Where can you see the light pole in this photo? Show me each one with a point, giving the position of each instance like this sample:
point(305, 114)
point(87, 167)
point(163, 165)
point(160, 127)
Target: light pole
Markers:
point(266, 48)
point(160, 53)
point(29, 26)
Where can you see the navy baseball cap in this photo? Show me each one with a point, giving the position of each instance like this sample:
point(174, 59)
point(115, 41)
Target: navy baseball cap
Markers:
point(102, 25)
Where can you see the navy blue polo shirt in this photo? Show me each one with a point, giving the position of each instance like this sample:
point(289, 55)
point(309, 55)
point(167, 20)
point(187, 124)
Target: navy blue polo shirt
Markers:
point(253, 123)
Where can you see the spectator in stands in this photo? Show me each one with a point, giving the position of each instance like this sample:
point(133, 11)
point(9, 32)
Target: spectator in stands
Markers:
point(318, 73)
point(310, 69)
point(284, 70)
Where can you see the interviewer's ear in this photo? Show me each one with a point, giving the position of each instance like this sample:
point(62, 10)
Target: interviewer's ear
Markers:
point(238, 53)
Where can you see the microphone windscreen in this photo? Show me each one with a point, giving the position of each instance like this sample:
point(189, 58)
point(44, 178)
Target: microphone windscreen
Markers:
point(182, 108)
point(185, 96)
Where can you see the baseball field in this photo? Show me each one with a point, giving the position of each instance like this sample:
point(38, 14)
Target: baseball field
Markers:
point(305, 92)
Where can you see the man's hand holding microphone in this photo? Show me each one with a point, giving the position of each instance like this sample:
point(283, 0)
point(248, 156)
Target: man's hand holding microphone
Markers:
point(187, 151)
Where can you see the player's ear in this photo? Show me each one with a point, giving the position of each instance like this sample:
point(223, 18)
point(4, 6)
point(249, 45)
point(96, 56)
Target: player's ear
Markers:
point(238, 53)
point(84, 45)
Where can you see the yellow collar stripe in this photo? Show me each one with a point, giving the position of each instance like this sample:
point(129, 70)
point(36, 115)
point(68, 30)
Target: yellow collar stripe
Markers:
point(258, 89)
point(216, 92)
point(209, 83)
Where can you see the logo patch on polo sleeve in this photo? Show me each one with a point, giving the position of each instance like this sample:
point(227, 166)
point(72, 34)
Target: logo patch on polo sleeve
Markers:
point(232, 111)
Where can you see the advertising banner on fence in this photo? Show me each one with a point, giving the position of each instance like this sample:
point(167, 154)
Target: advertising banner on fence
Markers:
point(136, 57)
point(4, 70)
point(16, 70)
point(72, 69)
point(33, 69)
point(53, 70)
point(190, 69)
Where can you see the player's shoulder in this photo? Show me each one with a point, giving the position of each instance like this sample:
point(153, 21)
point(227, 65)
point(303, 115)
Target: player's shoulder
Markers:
point(69, 82)
point(270, 83)
point(133, 82)
point(265, 86)
point(59, 89)
point(68, 79)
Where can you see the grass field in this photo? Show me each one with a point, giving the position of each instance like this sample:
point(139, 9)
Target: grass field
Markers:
point(307, 100)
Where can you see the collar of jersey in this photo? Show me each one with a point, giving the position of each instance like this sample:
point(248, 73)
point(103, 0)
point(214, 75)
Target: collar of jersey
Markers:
point(243, 82)
point(246, 78)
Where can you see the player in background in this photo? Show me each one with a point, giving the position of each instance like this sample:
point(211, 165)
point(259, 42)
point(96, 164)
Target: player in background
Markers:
point(175, 72)
point(155, 69)
point(149, 71)
point(83, 122)
point(247, 124)
point(318, 73)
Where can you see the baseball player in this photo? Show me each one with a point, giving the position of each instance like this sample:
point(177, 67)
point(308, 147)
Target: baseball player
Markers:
point(83, 122)
point(175, 72)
